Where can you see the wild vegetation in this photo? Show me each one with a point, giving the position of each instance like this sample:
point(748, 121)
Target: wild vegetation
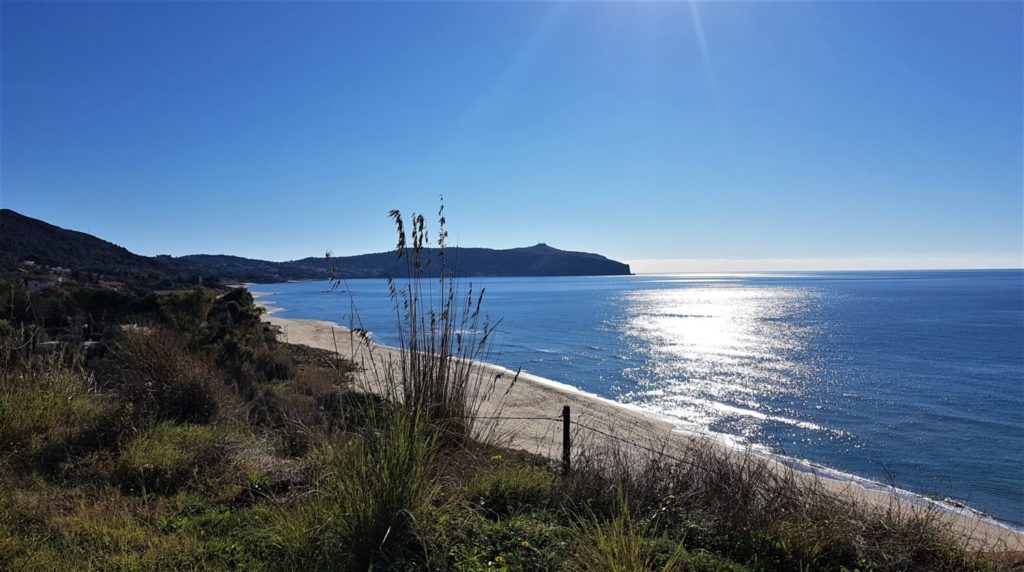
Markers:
point(196, 440)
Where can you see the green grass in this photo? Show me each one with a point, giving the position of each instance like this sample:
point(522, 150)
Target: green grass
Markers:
point(45, 527)
point(503, 489)
point(47, 413)
point(622, 544)
point(386, 496)
point(368, 491)
point(168, 457)
point(458, 536)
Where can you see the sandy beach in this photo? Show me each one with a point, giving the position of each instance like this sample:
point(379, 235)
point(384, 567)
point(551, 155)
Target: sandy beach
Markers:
point(537, 403)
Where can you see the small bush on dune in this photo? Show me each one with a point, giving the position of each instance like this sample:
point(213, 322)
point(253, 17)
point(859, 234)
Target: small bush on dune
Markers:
point(274, 363)
point(322, 385)
point(317, 381)
point(289, 414)
point(161, 378)
point(168, 457)
point(370, 488)
point(267, 409)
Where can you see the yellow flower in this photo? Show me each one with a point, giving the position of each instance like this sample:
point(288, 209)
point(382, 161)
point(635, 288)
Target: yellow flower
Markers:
point(499, 559)
point(525, 544)
point(922, 516)
point(496, 458)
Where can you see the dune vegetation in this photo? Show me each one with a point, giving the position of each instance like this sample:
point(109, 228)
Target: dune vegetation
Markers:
point(197, 440)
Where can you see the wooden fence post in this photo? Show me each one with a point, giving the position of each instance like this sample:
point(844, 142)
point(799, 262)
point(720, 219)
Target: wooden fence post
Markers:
point(566, 442)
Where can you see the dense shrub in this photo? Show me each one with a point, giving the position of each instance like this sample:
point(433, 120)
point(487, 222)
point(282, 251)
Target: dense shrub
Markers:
point(14, 301)
point(274, 363)
point(275, 406)
point(187, 312)
point(317, 382)
point(234, 308)
point(102, 305)
point(161, 378)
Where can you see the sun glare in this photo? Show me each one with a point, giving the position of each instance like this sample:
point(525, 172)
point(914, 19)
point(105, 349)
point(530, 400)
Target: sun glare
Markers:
point(716, 351)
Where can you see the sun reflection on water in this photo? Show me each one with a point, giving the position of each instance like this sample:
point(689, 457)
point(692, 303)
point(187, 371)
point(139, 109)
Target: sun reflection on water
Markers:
point(721, 357)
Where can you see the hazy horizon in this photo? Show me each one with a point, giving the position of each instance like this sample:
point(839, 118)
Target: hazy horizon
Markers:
point(894, 263)
point(676, 136)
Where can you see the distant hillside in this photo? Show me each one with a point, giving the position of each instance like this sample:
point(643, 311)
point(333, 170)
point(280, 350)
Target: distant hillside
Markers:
point(539, 260)
point(24, 238)
point(238, 269)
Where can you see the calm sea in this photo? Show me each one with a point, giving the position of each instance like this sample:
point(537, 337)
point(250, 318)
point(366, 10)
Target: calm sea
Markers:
point(915, 378)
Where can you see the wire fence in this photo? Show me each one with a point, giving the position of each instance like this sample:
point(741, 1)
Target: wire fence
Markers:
point(503, 417)
point(567, 438)
point(660, 452)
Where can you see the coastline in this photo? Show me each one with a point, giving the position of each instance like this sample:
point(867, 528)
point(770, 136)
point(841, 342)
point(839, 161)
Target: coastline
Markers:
point(541, 400)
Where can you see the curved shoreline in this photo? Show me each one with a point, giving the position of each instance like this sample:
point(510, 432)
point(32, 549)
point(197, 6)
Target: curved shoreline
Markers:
point(537, 396)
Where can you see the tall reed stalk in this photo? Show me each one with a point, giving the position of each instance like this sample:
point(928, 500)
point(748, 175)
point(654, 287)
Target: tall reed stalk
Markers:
point(444, 337)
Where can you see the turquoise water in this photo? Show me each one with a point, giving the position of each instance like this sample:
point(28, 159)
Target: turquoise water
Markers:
point(911, 377)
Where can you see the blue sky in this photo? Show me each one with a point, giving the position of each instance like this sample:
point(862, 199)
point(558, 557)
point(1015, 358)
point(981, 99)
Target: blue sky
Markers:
point(678, 136)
